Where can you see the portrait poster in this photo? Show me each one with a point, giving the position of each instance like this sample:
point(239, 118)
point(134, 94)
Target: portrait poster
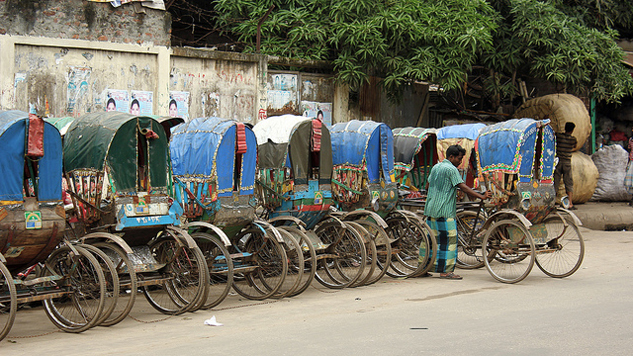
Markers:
point(145, 101)
point(117, 100)
point(179, 104)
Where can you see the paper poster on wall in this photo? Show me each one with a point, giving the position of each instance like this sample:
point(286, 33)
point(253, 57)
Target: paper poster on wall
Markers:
point(312, 109)
point(179, 104)
point(142, 103)
point(78, 78)
point(210, 104)
point(117, 100)
point(284, 82)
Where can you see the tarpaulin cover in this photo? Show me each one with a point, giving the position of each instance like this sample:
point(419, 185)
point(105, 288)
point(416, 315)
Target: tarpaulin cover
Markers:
point(13, 126)
point(285, 141)
point(61, 123)
point(407, 142)
point(469, 131)
point(509, 147)
point(114, 138)
point(205, 147)
point(361, 143)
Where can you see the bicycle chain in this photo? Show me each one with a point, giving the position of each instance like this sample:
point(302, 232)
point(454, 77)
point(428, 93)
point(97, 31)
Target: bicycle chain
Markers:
point(9, 337)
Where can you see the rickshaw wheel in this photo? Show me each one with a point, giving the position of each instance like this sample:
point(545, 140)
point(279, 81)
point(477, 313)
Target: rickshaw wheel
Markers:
point(261, 271)
point(469, 254)
point(562, 255)
point(383, 249)
point(127, 282)
point(296, 265)
point(82, 276)
point(370, 248)
point(346, 255)
point(309, 259)
point(414, 240)
point(8, 301)
point(111, 281)
point(186, 274)
point(220, 268)
point(508, 251)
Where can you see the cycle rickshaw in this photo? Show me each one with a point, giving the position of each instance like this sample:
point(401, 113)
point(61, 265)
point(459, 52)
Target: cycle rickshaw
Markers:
point(294, 190)
point(36, 264)
point(214, 163)
point(363, 185)
point(516, 162)
point(415, 153)
point(118, 171)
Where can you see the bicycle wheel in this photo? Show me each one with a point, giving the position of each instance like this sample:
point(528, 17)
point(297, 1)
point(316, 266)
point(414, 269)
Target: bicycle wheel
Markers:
point(220, 268)
point(128, 286)
point(111, 281)
point(8, 301)
point(84, 283)
point(383, 249)
point(370, 248)
point(564, 251)
point(344, 258)
point(261, 266)
point(295, 265)
point(309, 259)
point(469, 254)
point(414, 248)
point(183, 279)
point(508, 251)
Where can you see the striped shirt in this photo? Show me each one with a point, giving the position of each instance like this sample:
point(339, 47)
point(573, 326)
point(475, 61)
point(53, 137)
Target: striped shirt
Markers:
point(565, 144)
point(441, 201)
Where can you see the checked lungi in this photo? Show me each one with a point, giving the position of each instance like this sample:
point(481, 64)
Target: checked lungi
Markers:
point(445, 230)
point(628, 178)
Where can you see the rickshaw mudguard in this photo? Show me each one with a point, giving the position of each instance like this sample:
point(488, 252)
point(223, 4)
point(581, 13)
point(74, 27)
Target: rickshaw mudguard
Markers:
point(287, 218)
point(377, 218)
point(266, 226)
point(182, 236)
point(573, 216)
point(2, 259)
point(491, 219)
point(405, 214)
point(104, 236)
point(215, 229)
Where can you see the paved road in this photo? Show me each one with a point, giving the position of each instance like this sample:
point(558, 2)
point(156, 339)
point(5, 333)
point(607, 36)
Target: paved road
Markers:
point(589, 313)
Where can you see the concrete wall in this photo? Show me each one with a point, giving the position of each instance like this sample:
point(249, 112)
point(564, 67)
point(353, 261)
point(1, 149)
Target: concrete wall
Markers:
point(86, 20)
point(61, 77)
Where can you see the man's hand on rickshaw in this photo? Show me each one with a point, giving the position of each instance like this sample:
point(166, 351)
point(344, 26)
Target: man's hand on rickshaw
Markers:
point(487, 195)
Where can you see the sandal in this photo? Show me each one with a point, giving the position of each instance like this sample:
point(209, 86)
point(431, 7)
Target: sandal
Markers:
point(451, 275)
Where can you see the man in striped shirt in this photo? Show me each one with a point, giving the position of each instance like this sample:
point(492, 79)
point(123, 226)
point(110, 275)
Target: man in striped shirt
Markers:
point(565, 144)
point(441, 208)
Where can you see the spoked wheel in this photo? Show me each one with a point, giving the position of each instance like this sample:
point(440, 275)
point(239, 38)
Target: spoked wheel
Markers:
point(508, 251)
point(414, 248)
point(127, 282)
point(370, 249)
point(344, 258)
point(262, 267)
point(83, 286)
point(469, 254)
point(296, 265)
point(309, 259)
point(220, 268)
point(183, 279)
point(111, 281)
point(8, 301)
point(383, 249)
point(564, 251)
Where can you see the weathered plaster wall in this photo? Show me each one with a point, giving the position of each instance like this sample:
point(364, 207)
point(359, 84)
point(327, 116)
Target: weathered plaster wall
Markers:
point(87, 20)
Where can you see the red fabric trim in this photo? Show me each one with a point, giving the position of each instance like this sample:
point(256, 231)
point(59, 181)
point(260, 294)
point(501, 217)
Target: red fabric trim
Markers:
point(35, 145)
point(240, 139)
point(316, 135)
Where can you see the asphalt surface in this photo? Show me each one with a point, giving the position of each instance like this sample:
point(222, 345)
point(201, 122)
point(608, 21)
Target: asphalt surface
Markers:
point(589, 313)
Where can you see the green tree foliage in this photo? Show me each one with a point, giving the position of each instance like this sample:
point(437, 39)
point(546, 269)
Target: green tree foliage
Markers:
point(567, 42)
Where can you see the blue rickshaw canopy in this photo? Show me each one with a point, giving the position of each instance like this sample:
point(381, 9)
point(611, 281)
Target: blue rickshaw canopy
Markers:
point(13, 140)
point(364, 143)
point(511, 147)
point(206, 147)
